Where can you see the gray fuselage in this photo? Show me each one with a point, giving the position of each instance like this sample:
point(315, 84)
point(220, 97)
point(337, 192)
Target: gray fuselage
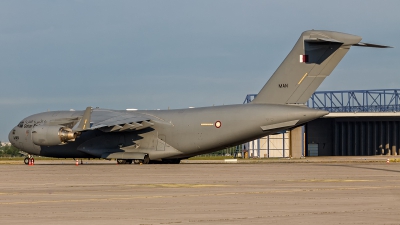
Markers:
point(176, 133)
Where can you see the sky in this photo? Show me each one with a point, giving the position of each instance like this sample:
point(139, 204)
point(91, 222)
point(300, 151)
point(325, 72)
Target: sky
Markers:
point(61, 55)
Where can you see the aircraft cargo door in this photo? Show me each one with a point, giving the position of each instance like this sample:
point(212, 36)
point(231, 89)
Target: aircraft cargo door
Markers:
point(161, 142)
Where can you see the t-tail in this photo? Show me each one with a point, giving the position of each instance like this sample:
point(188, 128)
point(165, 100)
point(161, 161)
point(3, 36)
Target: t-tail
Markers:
point(311, 60)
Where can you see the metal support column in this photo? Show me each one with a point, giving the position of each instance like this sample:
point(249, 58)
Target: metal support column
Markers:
point(283, 144)
point(394, 139)
point(268, 146)
point(303, 141)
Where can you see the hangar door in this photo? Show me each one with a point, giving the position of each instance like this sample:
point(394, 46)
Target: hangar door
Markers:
point(355, 136)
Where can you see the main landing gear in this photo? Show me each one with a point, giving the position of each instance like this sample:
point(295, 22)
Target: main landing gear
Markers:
point(124, 161)
point(146, 160)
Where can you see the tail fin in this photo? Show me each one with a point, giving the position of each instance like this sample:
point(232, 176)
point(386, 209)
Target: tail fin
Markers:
point(311, 60)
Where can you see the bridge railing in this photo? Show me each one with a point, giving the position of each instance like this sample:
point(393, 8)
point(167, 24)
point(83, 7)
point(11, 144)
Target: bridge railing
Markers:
point(379, 100)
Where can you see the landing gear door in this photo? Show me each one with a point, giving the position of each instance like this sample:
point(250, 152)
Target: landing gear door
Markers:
point(161, 142)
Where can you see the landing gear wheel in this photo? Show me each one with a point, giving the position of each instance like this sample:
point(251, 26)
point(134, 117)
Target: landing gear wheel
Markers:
point(146, 159)
point(121, 161)
point(26, 160)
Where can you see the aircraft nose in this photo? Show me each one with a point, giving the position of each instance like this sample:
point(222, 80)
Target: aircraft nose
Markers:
point(11, 137)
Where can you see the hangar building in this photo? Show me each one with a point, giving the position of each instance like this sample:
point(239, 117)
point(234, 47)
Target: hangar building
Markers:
point(360, 123)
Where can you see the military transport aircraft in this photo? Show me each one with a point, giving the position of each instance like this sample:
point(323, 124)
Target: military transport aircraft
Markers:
point(167, 136)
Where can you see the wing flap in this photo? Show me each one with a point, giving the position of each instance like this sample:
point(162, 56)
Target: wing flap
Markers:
point(145, 124)
point(116, 128)
point(127, 126)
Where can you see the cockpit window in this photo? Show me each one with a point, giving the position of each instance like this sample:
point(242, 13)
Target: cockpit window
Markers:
point(21, 124)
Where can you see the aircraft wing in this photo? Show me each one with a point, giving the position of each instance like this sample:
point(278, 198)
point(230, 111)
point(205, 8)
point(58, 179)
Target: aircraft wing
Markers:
point(116, 121)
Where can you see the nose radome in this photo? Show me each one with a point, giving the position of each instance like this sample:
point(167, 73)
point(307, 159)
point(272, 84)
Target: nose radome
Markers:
point(11, 137)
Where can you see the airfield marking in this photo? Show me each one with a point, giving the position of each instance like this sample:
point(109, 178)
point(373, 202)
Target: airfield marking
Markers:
point(329, 180)
point(176, 185)
point(195, 195)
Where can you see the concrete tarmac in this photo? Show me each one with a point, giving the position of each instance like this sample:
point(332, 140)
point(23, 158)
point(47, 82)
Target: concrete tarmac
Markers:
point(268, 193)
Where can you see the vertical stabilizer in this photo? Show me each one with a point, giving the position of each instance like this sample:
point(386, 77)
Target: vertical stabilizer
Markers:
point(311, 60)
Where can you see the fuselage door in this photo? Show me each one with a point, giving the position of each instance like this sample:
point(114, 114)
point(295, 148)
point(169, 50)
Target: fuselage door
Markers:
point(161, 142)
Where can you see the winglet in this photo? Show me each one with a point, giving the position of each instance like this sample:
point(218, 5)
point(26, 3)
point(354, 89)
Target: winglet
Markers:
point(85, 121)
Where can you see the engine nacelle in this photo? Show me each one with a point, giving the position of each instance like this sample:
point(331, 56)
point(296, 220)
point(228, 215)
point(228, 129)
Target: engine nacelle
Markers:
point(51, 135)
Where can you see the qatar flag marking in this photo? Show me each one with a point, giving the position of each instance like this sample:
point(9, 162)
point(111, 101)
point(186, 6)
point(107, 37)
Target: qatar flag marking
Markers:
point(218, 124)
point(303, 58)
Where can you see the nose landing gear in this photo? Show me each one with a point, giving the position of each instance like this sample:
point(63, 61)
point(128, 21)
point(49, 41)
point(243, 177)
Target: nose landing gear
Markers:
point(29, 157)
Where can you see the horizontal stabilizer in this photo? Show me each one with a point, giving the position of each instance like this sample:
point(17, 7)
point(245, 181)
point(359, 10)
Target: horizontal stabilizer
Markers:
point(322, 40)
point(361, 44)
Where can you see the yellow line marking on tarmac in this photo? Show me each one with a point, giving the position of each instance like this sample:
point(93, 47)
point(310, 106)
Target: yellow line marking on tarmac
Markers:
point(175, 185)
point(172, 185)
point(193, 195)
point(330, 180)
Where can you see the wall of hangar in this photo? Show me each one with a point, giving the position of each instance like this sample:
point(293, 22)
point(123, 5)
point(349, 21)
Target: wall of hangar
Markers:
point(272, 146)
point(353, 136)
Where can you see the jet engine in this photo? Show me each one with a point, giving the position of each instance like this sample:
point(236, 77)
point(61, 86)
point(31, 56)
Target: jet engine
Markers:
point(52, 135)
